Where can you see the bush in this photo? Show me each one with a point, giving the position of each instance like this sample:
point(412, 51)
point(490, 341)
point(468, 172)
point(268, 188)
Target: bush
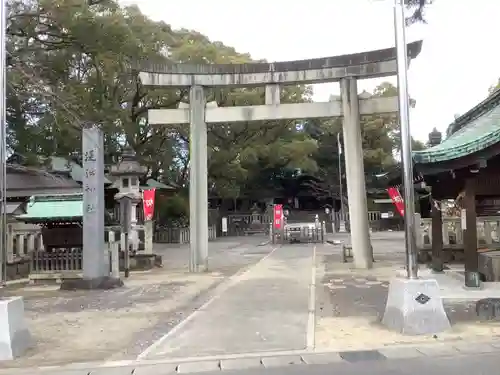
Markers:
point(173, 211)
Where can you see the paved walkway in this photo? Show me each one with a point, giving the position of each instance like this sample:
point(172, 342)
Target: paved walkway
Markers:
point(264, 309)
point(227, 254)
point(119, 324)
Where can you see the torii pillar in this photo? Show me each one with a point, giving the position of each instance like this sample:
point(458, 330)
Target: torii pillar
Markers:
point(198, 181)
point(347, 69)
point(355, 172)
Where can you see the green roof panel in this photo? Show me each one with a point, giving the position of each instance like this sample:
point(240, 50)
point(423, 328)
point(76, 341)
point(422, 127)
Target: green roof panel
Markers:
point(54, 207)
point(64, 165)
point(480, 133)
point(150, 183)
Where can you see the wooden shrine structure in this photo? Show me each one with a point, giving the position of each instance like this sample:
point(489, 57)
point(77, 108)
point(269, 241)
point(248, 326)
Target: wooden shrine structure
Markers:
point(465, 167)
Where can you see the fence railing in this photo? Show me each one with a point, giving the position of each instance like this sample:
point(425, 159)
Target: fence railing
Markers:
point(374, 219)
point(21, 242)
point(488, 232)
point(305, 234)
point(63, 264)
point(179, 235)
point(63, 261)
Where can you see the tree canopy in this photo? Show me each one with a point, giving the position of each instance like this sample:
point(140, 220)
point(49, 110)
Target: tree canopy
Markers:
point(69, 62)
point(493, 88)
point(418, 10)
point(381, 146)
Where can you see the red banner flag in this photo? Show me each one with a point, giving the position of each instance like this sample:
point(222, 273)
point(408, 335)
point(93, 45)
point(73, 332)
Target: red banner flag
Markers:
point(148, 203)
point(278, 215)
point(397, 199)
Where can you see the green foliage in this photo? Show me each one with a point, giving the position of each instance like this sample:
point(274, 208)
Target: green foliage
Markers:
point(494, 88)
point(70, 62)
point(417, 145)
point(418, 8)
point(173, 211)
point(381, 142)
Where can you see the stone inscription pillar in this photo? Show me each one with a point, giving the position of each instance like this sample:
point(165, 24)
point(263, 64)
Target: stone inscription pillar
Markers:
point(356, 189)
point(94, 264)
point(198, 182)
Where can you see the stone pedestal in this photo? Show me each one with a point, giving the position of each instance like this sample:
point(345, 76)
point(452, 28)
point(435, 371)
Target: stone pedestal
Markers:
point(488, 309)
point(414, 307)
point(15, 338)
point(148, 237)
point(133, 234)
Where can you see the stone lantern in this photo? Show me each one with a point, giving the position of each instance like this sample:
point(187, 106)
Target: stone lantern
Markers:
point(128, 171)
point(435, 137)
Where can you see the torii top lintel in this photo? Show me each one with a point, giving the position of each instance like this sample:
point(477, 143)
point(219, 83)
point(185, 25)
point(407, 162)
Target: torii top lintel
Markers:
point(371, 64)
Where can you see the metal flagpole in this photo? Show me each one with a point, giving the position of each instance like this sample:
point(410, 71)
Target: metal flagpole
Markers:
point(404, 116)
point(342, 216)
point(3, 141)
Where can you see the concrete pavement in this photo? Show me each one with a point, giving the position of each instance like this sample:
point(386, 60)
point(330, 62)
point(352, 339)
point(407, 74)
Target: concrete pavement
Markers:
point(227, 255)
point(260, 319)
point(265, 308)
point(440, 358)
point(119, 324)
point(453, 365)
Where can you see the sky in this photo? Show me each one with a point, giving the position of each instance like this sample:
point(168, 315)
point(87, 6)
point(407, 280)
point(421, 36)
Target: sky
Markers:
point(457, 65)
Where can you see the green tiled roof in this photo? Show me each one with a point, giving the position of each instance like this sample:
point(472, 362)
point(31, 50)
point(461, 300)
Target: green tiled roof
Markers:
point(475, 131)
point(55, 207)
point(150, 183)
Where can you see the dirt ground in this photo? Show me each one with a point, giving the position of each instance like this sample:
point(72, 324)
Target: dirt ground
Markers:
point(351, 302)
point(108, 325)
point(350, 309)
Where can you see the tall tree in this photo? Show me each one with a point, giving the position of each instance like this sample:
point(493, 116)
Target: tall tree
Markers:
point(70, 61)
point(418, 10)
point(379, 135)
point(381, 146)
point(494, 88)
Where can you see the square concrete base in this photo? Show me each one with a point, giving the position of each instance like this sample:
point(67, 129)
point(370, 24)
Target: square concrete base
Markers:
point(414, 307)
point(88, 284)
point(15, 338)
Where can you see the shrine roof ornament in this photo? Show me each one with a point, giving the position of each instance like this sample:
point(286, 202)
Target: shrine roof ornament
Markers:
point(129, 165)
point(472, 132)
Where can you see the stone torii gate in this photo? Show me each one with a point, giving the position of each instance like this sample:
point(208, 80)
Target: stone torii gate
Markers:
point(346, 69)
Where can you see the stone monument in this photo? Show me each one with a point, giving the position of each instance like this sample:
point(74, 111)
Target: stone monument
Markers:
point(256, 225)
point(96, 270)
